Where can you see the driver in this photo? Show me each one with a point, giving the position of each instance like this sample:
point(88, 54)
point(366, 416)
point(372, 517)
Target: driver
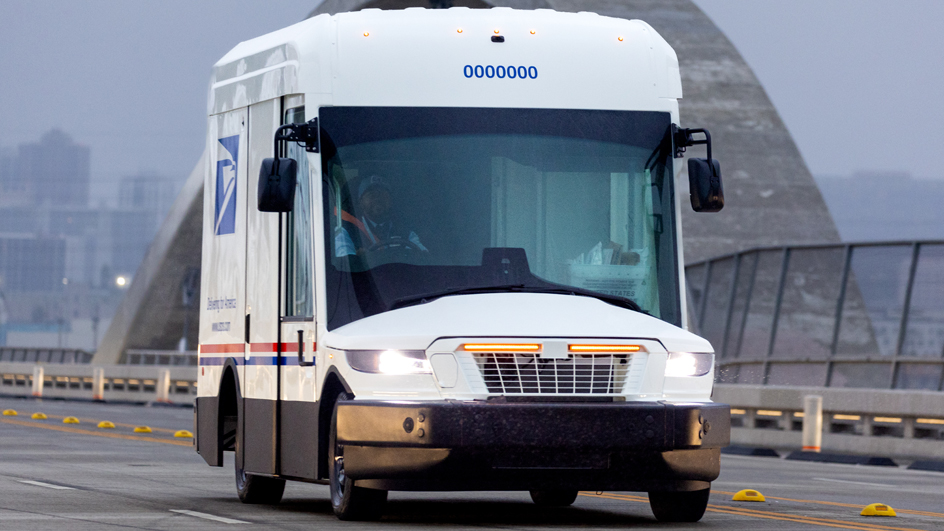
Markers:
point(374, 225)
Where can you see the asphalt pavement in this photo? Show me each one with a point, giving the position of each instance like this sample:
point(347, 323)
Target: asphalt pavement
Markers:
point(78, 476)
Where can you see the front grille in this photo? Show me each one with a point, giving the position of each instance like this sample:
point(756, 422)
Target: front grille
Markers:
point(578, 374)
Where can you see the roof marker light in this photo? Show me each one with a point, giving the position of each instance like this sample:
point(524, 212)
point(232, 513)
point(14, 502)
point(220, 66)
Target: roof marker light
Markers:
point(459, 30)
point(496, 32)
point(620, 39)
point(532, 32)
point(501, 347)
point(367, 34)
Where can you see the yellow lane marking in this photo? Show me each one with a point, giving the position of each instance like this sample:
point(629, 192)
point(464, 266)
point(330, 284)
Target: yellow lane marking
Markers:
point(769, 516)
point(94, 421)
point(816, 518)
point(754, 512)
point(110, 435)
point(839, 504)
point(738, 511)
point(811, 521)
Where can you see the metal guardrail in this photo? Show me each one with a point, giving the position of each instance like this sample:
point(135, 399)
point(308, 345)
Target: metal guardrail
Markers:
point(124, 383)
point(867, 315)
point(861, 421)
point(71, 355)
point(161, 357)
point(44, 355)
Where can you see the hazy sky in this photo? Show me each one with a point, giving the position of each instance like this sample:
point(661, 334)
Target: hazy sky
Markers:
point(858, 84)
point(128, 78)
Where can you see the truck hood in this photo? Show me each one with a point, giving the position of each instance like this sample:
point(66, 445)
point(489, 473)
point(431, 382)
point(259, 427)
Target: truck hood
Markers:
point(505, 315)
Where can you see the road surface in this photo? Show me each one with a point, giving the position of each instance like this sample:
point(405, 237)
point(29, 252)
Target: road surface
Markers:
point(78, 476)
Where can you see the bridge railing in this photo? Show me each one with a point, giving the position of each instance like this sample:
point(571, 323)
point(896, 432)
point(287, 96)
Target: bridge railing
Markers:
point(119, 383)
point(868, 315)
point(889, 423)
point(150, 376)
point(44, 355)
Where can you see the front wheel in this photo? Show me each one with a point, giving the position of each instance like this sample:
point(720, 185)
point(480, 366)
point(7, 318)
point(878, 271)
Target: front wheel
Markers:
point(252, 488)
point(554, 498)
point(349, 502)
point(679, 506)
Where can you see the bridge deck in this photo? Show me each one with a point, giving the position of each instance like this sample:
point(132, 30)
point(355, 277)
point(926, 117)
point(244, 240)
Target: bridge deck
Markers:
point(135, 482)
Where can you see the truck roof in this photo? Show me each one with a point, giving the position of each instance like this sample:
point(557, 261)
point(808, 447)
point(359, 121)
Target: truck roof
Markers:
point(455, 57)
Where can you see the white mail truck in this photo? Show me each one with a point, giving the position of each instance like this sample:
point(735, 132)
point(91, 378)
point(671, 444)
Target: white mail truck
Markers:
point(442, 251)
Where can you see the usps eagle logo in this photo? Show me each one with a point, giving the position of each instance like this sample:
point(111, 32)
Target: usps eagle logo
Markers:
point(226, 164)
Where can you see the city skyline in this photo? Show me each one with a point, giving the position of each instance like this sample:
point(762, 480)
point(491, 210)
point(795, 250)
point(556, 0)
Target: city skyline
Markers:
point(137, 97)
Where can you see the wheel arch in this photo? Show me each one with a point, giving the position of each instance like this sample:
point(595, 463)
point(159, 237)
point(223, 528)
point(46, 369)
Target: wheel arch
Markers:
point(217, 417)
point(334, 385)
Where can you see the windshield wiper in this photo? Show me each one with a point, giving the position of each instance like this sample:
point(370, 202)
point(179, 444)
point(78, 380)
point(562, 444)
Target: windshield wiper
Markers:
point(426, 297)
point(615, 300)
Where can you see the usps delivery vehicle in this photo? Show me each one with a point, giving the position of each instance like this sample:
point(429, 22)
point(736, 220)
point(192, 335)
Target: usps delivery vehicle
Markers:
point(442, 251)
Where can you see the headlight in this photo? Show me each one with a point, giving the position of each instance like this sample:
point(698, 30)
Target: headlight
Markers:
point(688, 364)
point(389, 361)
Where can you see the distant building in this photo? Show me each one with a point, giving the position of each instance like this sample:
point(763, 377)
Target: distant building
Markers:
point(31, 264)
point(60, 260)
point(53, 171)
point(7, 181)
point(147, 191)
point(143, 201)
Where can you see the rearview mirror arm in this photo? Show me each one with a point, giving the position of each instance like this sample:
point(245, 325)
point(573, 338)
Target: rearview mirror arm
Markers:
point(305, 134)
point(683, 138)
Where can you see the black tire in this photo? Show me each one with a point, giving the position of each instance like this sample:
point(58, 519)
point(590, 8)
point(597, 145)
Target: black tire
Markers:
point(554, 498)
point(679, 506)
point(258, 489)
point(348, 501)
point(252, 488)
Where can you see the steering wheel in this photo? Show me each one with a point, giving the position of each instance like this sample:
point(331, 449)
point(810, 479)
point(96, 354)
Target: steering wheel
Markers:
point(394, 244)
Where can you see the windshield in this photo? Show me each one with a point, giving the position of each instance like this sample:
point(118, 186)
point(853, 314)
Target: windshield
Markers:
point(426, 202)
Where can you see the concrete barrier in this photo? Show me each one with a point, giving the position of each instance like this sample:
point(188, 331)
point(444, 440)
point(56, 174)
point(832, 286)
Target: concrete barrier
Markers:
point(125, 383)
point(900, 424)
point(812, 423)
point(98, 383)
point(163, 386)
point(37, 381)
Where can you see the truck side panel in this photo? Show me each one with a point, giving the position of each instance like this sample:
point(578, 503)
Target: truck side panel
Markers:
point(222, 301)
point(261, 370)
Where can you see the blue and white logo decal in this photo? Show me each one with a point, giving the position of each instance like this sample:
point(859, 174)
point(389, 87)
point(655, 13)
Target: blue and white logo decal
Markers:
point(226, 164)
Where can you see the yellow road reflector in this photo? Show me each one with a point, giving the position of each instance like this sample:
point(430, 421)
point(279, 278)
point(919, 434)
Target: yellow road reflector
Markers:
point(107, 424)
point(39, 416)
point(878, 509)
point(749, 495)
point(9, 413)
point(183, 433)
point(70, 420)
point(142, 429)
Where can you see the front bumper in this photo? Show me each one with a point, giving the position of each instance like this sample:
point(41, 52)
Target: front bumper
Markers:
point(522, 446)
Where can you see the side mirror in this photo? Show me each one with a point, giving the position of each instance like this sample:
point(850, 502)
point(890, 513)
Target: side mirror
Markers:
point(277, 179)
point(704, 182)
